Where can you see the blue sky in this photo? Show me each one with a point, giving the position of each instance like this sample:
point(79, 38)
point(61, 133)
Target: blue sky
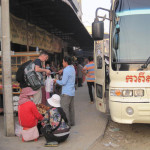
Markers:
point(88, 10)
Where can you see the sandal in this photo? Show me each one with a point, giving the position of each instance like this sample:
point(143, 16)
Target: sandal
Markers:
point(51, 144)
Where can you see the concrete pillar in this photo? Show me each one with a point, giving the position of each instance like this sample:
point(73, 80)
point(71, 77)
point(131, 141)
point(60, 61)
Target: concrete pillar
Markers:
point(6, 69)
point(0, 23)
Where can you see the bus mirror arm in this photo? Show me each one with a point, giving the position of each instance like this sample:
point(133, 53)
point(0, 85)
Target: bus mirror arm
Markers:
point(104, 17)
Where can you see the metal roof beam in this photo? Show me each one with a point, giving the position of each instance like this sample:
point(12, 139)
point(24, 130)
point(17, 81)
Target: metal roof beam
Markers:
point(26, 2)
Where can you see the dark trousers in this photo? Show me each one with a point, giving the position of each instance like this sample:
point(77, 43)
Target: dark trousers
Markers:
point(50, 137)
point(79, 82)
point(90, 84)
point(1, 101)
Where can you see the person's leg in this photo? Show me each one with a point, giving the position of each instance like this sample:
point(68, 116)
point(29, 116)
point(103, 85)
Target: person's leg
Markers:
point(93, 84)
point(1, 105)
point(90, 90)
point(62, 138)
point(79, 82)
point(72, 112)
point(38, 97)
point(56, 140)
point(39, 126)
point(47, 95)
point(51, 140)
point(94, 87)
point(65, 104)
point(43, 97)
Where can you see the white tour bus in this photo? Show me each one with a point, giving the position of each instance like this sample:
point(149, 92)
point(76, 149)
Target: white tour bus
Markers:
point(129, 61)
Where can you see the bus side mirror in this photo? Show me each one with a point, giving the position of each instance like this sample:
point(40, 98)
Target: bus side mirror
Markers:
point(116, 38)
point(98, 30)
point(116, 41)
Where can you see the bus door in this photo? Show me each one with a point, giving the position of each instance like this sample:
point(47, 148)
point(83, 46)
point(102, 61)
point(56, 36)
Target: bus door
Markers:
point(100, 95)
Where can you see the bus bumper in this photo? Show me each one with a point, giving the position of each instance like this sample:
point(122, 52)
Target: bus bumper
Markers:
point(122, 112)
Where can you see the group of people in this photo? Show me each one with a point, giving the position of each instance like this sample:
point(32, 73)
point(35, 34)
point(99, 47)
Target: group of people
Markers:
point(88, 71)
point(56, 123)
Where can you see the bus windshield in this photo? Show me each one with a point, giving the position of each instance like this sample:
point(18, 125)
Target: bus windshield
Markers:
point(134, 31)
point(134, 38)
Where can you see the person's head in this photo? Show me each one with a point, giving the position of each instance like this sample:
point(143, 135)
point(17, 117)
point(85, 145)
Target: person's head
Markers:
point(90, 58)
point(47, 66)
point(86, 60)
point(43, 56)
point(28, 92)
point(54, 101)
point(67, 61)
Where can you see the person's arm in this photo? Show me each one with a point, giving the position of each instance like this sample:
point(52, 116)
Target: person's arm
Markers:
point(84, 70)
point(46, 119)
point(64, 78)
point(38, 69)
point(60, 71)
point(36, 112)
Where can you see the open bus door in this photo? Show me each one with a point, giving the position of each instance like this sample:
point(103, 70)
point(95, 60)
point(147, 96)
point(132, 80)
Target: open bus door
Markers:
point(100, 68)
point(100, 76)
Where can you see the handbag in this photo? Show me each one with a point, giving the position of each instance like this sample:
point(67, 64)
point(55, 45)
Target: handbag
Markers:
point(30, 134)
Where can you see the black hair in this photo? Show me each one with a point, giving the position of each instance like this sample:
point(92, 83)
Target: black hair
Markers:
point(43, 52)
point(90, 58)
point(68, 59)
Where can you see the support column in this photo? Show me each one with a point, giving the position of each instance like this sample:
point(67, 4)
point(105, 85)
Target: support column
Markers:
point(6, 70)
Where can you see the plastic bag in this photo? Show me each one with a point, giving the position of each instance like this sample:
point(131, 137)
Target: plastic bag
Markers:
point(18, 129)
point(48, 83)
point(51, 86)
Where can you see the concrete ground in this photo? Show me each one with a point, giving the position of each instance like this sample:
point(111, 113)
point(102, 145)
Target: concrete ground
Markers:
point(89, 128)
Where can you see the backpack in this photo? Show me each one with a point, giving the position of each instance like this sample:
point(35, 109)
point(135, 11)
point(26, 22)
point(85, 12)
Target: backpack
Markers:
point(20, 72)
point(32, 78)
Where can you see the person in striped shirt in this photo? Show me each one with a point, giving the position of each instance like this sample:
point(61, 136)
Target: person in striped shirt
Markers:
point(90, 76)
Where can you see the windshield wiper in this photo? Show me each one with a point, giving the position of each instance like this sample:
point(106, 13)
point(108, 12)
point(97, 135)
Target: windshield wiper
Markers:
point(145, 64)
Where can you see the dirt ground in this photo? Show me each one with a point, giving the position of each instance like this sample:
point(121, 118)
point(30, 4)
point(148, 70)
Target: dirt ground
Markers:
point(124, 137)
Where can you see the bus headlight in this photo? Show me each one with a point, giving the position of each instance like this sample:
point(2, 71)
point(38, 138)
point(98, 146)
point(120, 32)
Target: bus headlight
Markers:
point(127, 93)
point(115, 92)
point(138, 93)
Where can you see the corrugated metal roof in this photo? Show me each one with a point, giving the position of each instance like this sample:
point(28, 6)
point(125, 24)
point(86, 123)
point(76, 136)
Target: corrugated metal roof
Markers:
point(55, 16)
